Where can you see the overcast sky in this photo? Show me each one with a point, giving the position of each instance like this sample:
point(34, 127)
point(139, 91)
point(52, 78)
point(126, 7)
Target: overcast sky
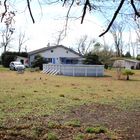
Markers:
point(50, 19)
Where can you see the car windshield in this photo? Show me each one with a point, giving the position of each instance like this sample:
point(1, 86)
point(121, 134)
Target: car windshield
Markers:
point(17, 63)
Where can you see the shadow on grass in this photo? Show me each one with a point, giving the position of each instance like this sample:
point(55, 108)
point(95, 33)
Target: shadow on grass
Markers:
point(130, 80)
point(107, 76)
point(87, 76)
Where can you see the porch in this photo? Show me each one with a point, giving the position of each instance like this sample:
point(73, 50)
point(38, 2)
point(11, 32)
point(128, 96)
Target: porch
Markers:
point(63, 60)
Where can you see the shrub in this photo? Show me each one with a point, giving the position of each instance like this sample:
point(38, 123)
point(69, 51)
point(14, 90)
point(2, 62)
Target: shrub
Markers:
point(0, 60)
point(7, 57)
point(73, 123)
point(79, 137)
point(38, 130)
point(38, 62)
point(52, 136)
point(96, 130)
point(91, 58)
point(127, 72)
point(61, 95)
point(138, 57)
point(106, 66)
point(52, 124)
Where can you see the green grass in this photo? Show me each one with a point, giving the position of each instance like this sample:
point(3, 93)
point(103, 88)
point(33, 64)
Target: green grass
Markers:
point(96, 129)
point(36, 94)
point(73, 123)
point(52, 136)
point(79, 137)
point(2, 69)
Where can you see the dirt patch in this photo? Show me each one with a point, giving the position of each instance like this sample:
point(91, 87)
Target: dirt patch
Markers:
point(124, 122)
point(119, 124)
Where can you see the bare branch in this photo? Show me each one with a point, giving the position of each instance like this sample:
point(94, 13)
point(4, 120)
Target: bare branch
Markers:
point(135, 9)
point(5, 6)
point(87, 4)
point(29, 8)
point(114, 17)
point(67, 16)
point(64, 2)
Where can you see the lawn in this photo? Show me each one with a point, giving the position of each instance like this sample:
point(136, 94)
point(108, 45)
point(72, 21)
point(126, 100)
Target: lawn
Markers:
point(38, 106)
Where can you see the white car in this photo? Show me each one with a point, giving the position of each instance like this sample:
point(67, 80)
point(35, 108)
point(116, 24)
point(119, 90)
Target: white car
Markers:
point(16, 65)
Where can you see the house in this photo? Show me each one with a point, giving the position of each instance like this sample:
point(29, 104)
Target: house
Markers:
point(58, 54)
point(127, 63)
point(23, 60)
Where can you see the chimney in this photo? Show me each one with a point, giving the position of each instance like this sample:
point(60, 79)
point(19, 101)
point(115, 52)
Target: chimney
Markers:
point(48, 45)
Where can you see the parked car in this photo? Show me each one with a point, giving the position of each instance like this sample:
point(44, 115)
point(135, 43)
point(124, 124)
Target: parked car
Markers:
point(16, 65)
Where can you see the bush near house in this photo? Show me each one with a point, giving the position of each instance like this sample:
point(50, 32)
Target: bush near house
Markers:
point(7, 57)
point(138, 57)
point(0, 60)
point(91, 59)
point(38, 62)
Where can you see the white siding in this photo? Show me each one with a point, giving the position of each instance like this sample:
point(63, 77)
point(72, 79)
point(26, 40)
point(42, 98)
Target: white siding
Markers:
point(56, 54)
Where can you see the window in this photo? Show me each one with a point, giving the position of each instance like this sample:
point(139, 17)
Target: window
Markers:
point(66, 51)
point(48, 60)
point(51, 51)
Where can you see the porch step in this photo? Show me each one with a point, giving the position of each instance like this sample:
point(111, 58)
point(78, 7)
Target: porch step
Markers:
point(50, 71)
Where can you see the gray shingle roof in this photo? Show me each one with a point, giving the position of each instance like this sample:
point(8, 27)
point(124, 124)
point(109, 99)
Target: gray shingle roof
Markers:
point(51, 47)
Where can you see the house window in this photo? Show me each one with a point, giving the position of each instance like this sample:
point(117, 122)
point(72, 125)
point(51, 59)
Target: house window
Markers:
point(51, 51)
point(66, 51)
point(48, 60)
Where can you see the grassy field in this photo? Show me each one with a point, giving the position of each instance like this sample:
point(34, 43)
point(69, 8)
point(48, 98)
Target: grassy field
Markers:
point(31, 98)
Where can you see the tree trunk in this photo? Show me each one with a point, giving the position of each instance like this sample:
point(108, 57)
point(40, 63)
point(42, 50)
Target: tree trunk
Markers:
point(127, 78)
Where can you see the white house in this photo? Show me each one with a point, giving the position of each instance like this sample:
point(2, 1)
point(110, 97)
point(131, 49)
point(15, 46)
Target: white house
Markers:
point(58, 54)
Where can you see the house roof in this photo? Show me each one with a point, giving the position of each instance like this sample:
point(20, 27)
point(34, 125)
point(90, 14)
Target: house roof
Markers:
point(51, 47)
point(132, 60)
point(21, 57)
point(126, 59)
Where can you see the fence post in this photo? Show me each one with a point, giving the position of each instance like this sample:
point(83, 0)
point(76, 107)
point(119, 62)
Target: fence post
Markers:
point(73, 71)
point(96, 71)
point(86, 71)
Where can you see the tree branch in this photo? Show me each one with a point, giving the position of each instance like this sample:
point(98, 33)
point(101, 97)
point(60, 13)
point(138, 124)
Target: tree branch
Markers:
point(114, 17)
point(3, 14)
point(29, 8)
point(135, 9)
point(87, 4)
point(67, 16)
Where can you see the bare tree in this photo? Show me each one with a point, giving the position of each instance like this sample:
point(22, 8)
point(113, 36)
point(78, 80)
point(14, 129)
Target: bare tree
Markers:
point(59, 36)
point(8, 31)
point(21, 40)
point(117, 33)
point(84, 44)
point(132, 44)
point(137, 30)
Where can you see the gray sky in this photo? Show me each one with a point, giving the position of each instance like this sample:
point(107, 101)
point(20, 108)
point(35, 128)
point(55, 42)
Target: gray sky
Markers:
point(50, 19)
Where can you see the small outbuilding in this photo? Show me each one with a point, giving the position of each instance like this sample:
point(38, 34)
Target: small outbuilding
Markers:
point(23, 60)
point(127, 63)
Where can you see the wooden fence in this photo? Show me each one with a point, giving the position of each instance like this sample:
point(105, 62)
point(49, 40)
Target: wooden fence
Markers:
point(73, 70)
